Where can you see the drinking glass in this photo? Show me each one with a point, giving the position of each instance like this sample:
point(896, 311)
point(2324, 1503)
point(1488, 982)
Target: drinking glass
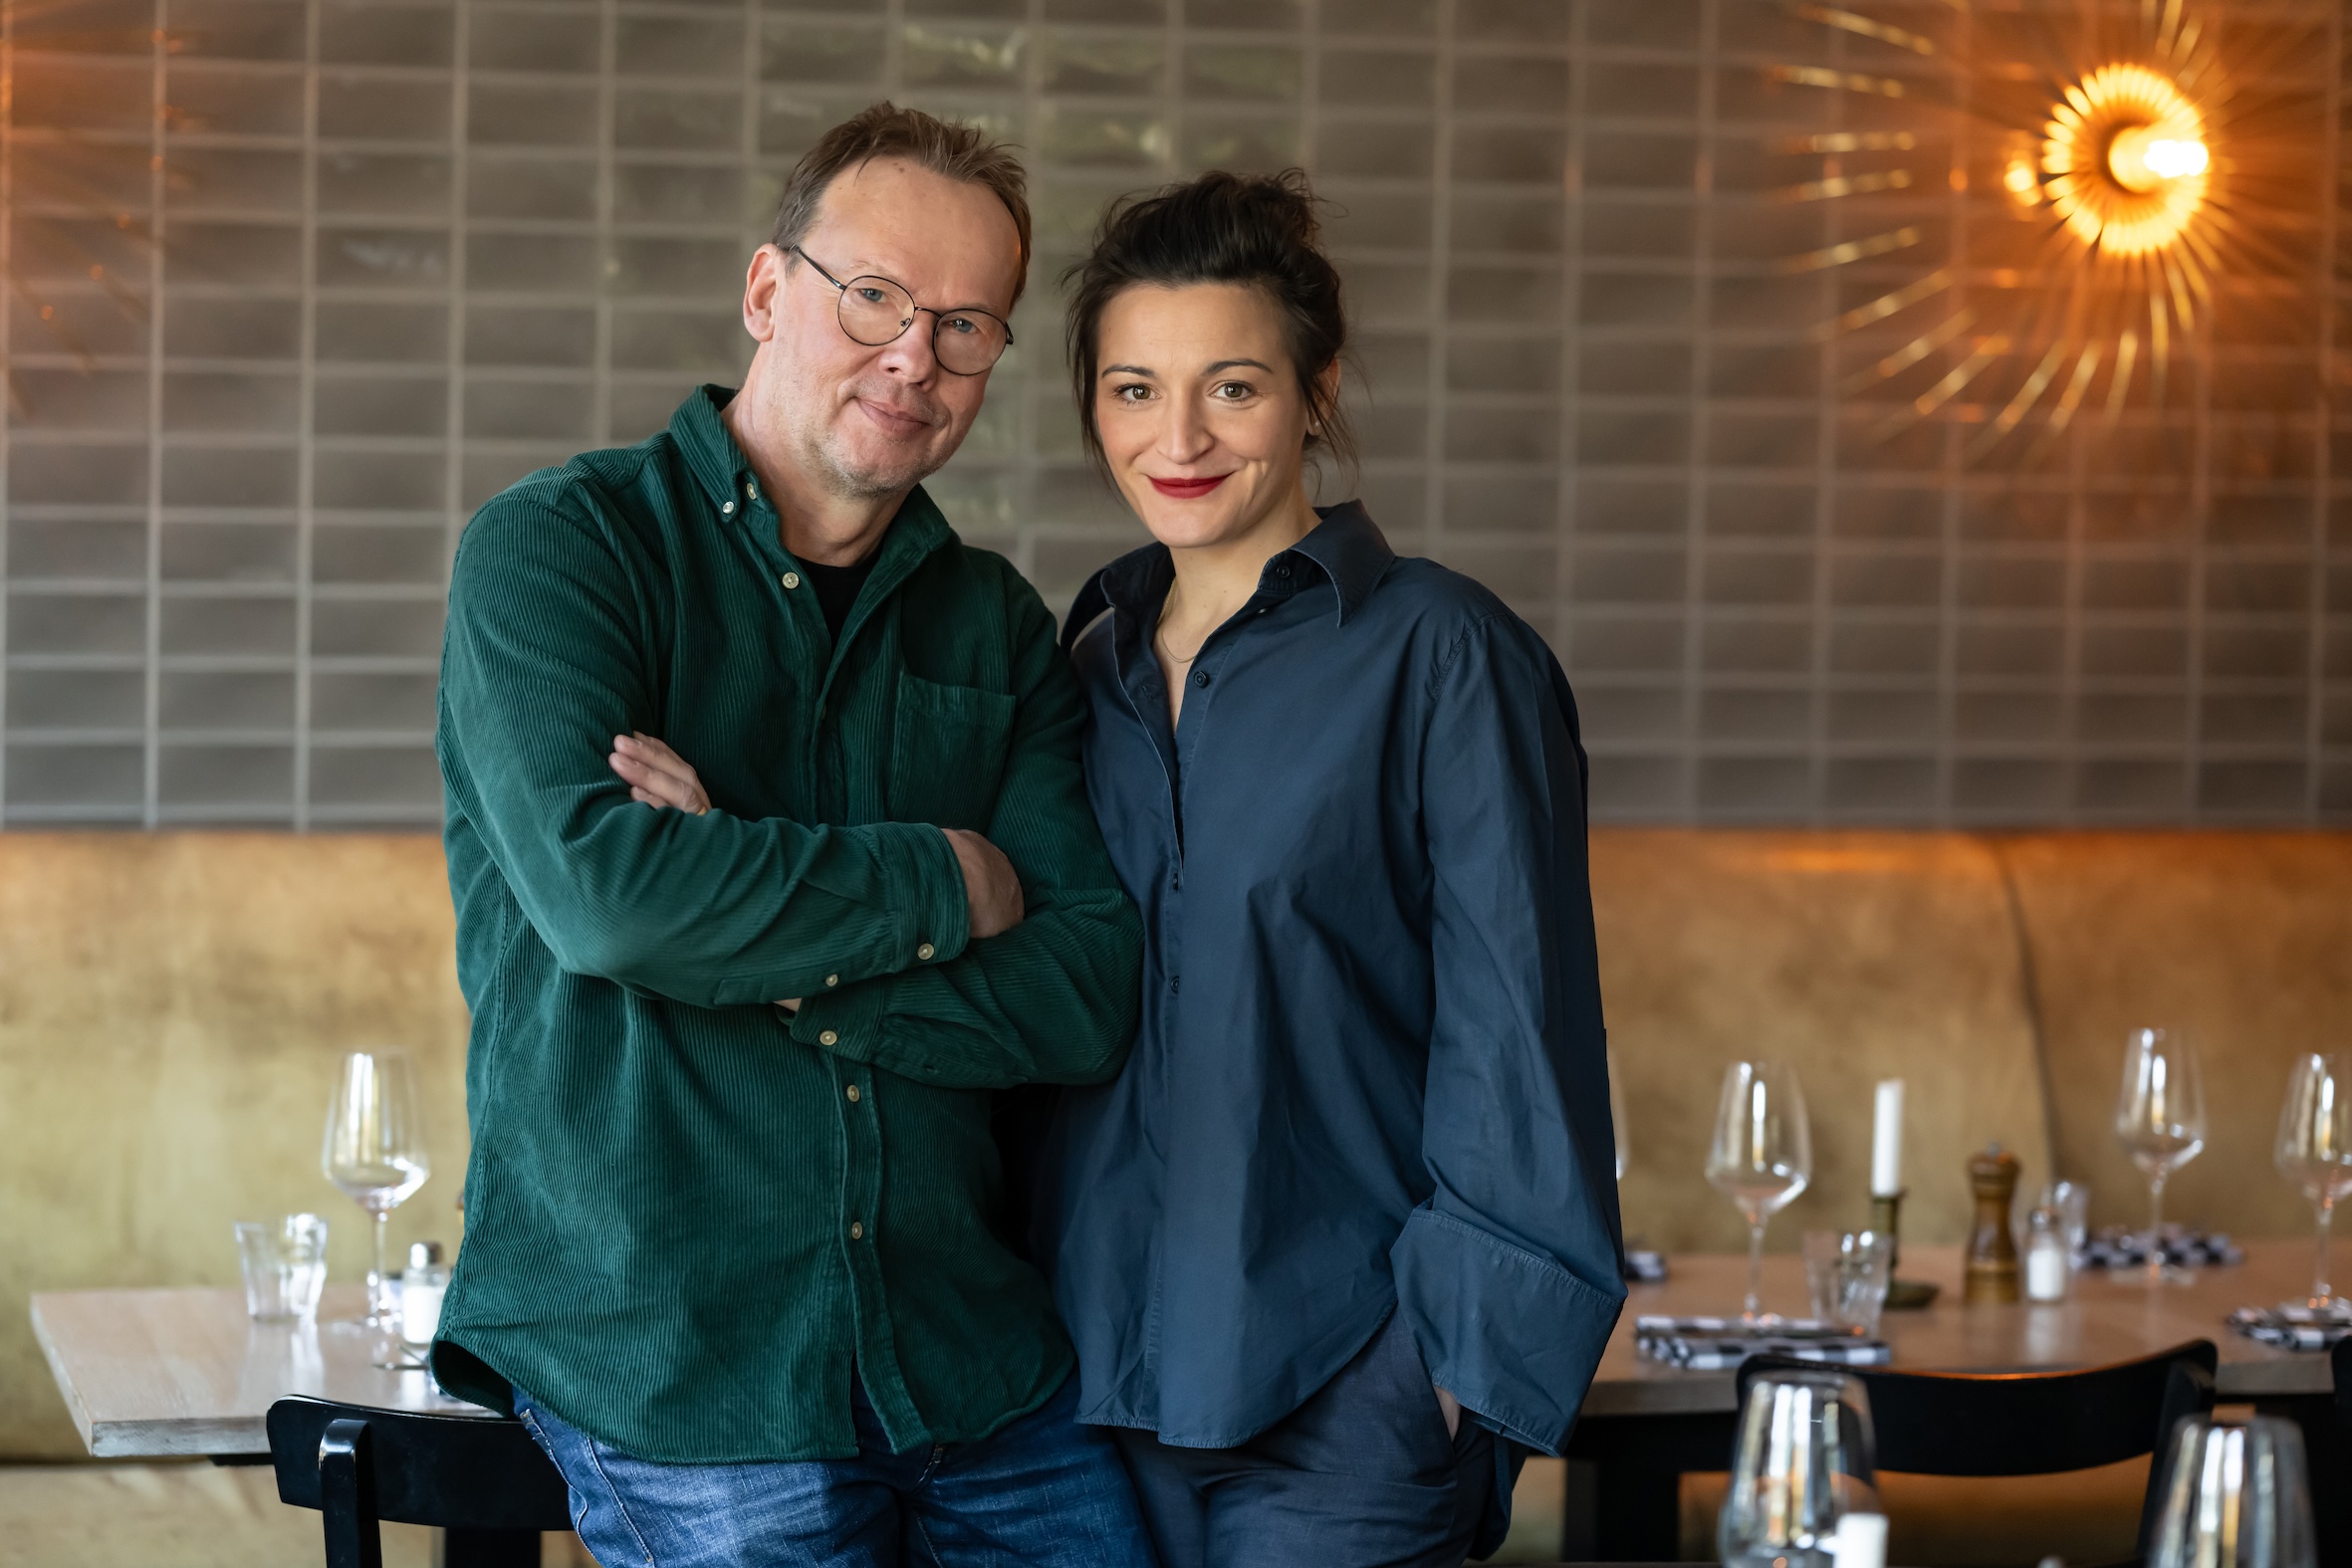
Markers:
point(2315, 1151)
point(1847, 1276)
point(285, 1266)
point(1617, 1116)
point(2235, 1495)
point(375, 1151)
point(1804, 1467)
point(2073, 1200)
point(1761, 1155)
point(2159, 1121)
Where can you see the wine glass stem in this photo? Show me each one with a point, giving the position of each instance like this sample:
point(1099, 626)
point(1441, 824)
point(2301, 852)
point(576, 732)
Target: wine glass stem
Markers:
point(380, 1280)
point(2155, 1227)
point(2321, 1291)
point(1755, 1304)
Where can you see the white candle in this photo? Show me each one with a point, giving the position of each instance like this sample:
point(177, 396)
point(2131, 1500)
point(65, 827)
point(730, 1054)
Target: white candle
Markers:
point(1886, 1139)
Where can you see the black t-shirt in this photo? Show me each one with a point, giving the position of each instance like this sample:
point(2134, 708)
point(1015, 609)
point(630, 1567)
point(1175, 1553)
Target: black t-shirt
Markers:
point(836, 589)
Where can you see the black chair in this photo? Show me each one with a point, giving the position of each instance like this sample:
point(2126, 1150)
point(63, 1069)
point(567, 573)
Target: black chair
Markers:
point(2028, 1423)
point(482, 1481)
point(2339, 1362)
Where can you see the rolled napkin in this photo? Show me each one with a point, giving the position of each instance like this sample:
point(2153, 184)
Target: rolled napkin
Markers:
point(1716, 1344)
point(2292, 1327)
point(2118, 1246)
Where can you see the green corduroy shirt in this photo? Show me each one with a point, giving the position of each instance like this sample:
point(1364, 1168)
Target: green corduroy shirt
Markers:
point(692, 1218)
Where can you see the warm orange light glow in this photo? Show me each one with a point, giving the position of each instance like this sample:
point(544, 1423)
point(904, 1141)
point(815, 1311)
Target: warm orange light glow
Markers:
point(2125, 159)
point(2144, 156)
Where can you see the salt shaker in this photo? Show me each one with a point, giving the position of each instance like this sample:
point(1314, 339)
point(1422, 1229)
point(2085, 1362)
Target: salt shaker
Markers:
point(422, 1285)
point(2047, 1263)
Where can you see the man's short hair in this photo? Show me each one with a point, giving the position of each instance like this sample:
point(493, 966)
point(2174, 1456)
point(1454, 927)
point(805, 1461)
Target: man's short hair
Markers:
point(884, 130)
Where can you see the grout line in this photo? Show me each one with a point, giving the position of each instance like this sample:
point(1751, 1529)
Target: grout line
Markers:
point(150, 778)
point(1826, 445)
point(453, 486)
point(1693, 470)
point(8, 140)
point(601, 431)
point(1441, 266)
point(2328, 261)
point(305, 538)
point(1566, 500)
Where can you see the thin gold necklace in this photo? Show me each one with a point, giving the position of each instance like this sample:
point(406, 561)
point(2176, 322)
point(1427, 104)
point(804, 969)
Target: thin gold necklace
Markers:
point(1159, 634)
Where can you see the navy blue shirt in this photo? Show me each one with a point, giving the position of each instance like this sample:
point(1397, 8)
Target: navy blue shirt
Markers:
point(1370, 1072)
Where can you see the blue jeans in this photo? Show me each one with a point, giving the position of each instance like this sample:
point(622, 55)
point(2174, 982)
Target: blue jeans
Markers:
point(1045, 1493)
point(1361, 1475)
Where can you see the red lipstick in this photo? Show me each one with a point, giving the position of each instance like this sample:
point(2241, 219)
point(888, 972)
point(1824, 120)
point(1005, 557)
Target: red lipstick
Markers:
point(1188, 489)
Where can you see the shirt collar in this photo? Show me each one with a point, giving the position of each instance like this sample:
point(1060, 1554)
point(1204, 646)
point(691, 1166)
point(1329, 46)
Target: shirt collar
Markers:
point(1351, 550)
point(728, 478)
point(1346, 544)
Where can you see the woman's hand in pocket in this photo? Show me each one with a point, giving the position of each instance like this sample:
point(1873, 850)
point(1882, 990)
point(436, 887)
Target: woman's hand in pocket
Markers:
point(657, 776)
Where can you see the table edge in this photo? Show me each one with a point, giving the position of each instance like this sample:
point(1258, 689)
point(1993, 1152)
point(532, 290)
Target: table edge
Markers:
point(75, 1410)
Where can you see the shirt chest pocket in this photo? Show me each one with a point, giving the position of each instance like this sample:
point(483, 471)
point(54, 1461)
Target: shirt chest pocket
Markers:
point(947, 752)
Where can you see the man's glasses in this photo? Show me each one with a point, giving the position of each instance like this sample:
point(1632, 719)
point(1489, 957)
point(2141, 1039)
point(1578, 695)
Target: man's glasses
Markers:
point(875, 311)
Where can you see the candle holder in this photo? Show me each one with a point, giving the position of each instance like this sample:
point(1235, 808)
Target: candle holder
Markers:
point(1886, 1218)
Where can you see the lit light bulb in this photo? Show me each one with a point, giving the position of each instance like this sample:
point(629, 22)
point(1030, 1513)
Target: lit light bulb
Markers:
point(2178, 159)
point(2022, 183)
point(2141, 157)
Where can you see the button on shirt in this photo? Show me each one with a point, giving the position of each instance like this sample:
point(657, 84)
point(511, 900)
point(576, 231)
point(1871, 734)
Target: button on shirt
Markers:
point(1382, 1082)
point(692, 1218)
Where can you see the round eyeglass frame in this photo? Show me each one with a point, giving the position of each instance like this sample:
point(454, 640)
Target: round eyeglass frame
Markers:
point(841, 317)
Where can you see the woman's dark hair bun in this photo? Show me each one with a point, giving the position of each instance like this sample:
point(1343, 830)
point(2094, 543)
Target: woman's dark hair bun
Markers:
point(1260, 230)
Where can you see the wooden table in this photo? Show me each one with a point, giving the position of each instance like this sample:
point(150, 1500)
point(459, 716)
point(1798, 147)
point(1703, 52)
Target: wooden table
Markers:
point(170, 1373)
point(1645, 1422)
point(166, 1373)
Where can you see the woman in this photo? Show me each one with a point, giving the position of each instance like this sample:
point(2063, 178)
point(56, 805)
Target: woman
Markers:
point(1341, 1242)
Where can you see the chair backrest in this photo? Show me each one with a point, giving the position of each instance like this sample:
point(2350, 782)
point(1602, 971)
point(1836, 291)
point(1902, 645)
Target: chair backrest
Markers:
point(2340, 1363)
point(2028, 1423)
point(461, 1472)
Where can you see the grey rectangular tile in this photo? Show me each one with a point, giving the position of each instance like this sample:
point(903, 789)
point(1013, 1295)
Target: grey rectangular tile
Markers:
point(98, 780)
point(378, 481)
point(376, 776)
point(250, 627)
point(77, 698)
point(372, 702)
point(228, 553)
point(212, 700)
point(83, 474)
point(384, 35)
point(363, 107)
point(90, 623)
point(243, 477)
point(371, 554)
point(376, 628)
point(2132, 787)
point(500, 37)
point(234, 776)
point(100, 548)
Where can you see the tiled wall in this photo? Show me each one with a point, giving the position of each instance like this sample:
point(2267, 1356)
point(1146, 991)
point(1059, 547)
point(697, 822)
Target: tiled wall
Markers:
point(296, 285)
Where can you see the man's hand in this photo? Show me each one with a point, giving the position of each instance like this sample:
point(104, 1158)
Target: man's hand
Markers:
point(657, 776)
point(992, 891)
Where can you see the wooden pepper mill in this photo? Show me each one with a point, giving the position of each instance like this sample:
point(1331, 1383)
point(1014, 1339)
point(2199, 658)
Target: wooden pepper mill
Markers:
point(1993, 1247)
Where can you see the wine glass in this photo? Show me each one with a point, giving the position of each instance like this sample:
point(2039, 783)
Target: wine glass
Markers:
point(1804, 1475)
point(1617, 1116)
point(2236, 1494)
point(375, 1151)
point(2159, 1121)
point(2315, 1151)
point(1761, 1155)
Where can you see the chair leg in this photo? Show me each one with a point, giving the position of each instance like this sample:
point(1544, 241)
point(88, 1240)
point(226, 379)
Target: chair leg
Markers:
point(485, 1549)
point(346, 1496)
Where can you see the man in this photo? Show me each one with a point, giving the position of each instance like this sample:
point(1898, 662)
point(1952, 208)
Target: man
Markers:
point(734, 1260)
